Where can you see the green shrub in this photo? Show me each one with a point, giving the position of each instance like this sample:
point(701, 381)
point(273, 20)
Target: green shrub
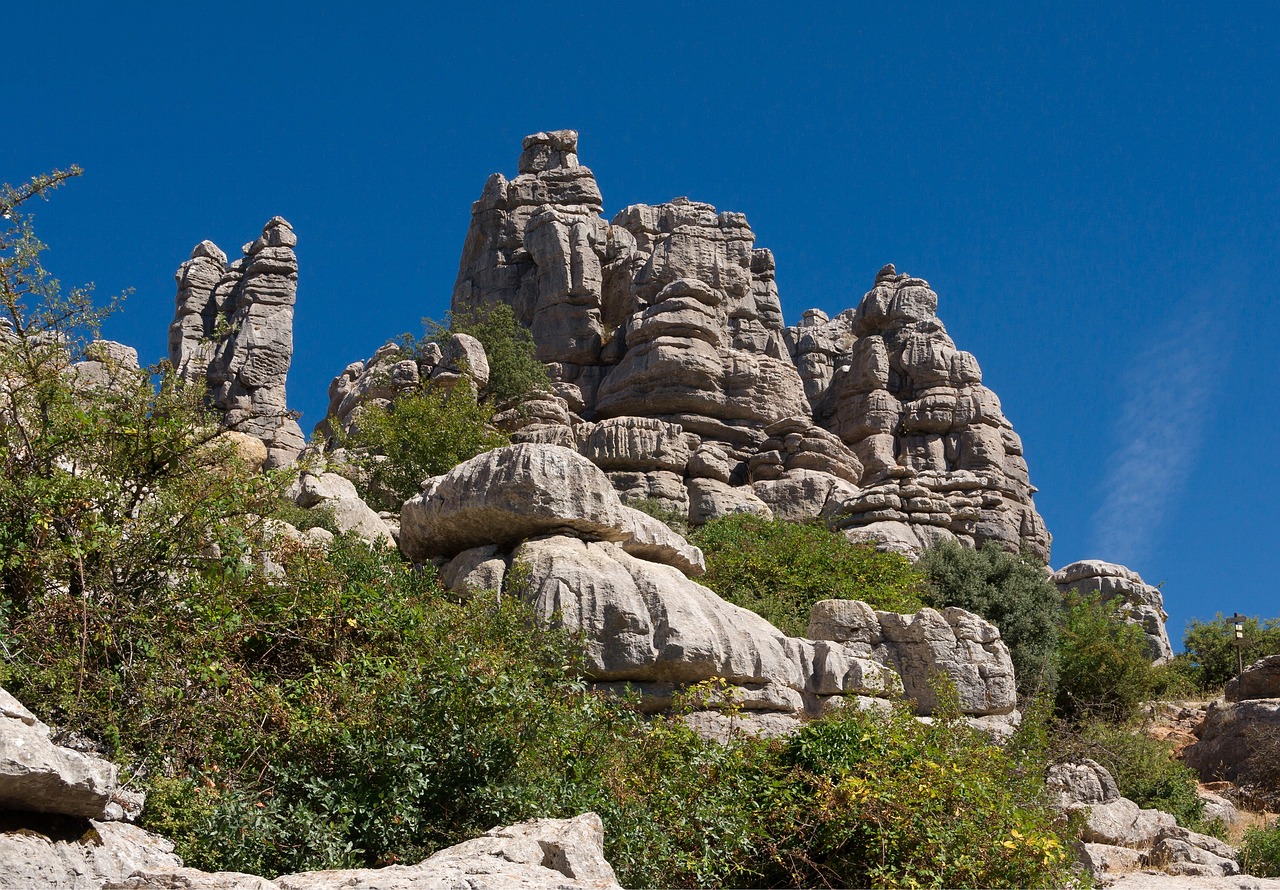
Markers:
point(1104, 669)
point(514, 369)
point(422, 434)
point(675, 520)
point(1260, 851)
point(899, 803)
point(1011, 591)
point(303, 518)
point(1144, 770)
point(1211, 647)
point(780, 569)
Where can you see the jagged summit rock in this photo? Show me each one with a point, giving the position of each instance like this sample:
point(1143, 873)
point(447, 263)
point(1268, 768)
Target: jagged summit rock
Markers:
point(233, 331)
point(671, 313)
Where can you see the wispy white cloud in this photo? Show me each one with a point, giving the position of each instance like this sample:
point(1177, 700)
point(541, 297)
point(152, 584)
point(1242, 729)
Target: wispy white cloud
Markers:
point(1169, 389)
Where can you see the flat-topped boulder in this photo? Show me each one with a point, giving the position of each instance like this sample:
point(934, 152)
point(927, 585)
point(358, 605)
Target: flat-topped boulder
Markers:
point(511, 494)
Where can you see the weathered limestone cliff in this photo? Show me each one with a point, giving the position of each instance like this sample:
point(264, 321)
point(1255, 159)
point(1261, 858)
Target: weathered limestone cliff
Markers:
point(675, 373)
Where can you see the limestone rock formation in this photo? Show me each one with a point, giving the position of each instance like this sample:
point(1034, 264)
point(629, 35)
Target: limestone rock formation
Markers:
point(1229, 735)
point(338, 495)
point(939, 458)
point(233, 331)
point(953, 642)
point(60, 812)
point(1121, 836)
point(564, 854)
point(1139, 602)
point(1259, 680)
point(58, 829)
point(619, 578)
point(873, 420)
point(391, 371)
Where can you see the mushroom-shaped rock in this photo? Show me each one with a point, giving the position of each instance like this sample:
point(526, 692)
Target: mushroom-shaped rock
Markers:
point(511, 494)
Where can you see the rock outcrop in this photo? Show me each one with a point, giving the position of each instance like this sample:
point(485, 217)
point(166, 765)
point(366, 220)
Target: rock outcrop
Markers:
point(670, 314)
point(60, 828)
point(233, 332)
point(1259, 680)
point(1230, 735)
point(1120, 836)
point(60, 813)
point(1139, 602)
point(620, 579)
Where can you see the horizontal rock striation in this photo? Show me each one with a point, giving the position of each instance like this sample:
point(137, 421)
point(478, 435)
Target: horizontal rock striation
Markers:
point(873, 420)
point(620, 579)
point(233, 332)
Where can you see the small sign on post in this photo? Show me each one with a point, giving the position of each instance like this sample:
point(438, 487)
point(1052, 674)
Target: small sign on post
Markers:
point(1238, 620)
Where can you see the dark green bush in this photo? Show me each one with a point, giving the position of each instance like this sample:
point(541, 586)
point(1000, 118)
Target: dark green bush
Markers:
point(422, 434)
point(1144, 769)
point(1260, 851)
point(514, 369)
point(1104, 669)
point(1211, 648)
point(780, 569)
point(1011, 591)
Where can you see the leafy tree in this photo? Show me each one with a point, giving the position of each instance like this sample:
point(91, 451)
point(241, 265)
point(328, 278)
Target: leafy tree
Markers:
point(1010, 590)
point(1104, 669)
point(780, 569)
point(1210, 646)
point(423, 433)
point(109, 484)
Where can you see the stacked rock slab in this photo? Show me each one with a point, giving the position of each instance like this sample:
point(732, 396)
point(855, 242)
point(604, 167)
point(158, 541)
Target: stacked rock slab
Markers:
point(1119, 836)
point(1238, 735)
point(872, 420)
point(233, 332)
point(61, 812)
point(621, 579)
point(939, 458)
point(1139, 602)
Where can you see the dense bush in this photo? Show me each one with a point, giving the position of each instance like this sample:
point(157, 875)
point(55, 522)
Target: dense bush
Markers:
point(1011, 591)
point(1104, 669)
point(1210, 647)
point(1260, 851)
point(514, 369)
point(423, 433)
point(780, 569)
point(1144, 769)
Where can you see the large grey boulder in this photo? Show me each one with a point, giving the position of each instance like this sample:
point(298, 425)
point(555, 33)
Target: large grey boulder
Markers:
point(1120, 836)
point(40, 776)
point(1259, 680)
point(1229, 735)
point(558, 854)
point(953, 642)
point(510, 494)
point(337, 495)
point(1139, 602)
point(89, 855)
point(233, 332)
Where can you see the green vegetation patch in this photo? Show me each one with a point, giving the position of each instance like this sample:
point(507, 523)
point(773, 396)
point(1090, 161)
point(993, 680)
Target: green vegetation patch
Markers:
point(779, 569)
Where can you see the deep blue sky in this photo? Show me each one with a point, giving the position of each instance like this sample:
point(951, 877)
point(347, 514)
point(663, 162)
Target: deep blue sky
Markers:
point(1093, 193)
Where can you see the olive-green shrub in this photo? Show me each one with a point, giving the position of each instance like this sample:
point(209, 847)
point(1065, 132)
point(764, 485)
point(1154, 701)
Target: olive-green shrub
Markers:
point(1104, 669)
point(1260, 851)
point(780, 569)
point(1012, 591)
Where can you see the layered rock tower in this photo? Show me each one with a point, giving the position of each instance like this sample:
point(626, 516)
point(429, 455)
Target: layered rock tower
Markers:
point(674, 371)
point(233, 331)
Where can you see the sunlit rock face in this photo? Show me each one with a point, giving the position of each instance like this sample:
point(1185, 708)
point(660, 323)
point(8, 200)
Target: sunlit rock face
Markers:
point(233, 330)
point(872, 420)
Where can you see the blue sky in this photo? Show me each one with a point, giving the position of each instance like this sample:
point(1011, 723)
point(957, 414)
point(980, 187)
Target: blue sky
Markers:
point(1094, 193)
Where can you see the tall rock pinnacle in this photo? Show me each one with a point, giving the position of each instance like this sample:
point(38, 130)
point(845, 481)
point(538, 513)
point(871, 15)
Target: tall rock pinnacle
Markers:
point(233, 329)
